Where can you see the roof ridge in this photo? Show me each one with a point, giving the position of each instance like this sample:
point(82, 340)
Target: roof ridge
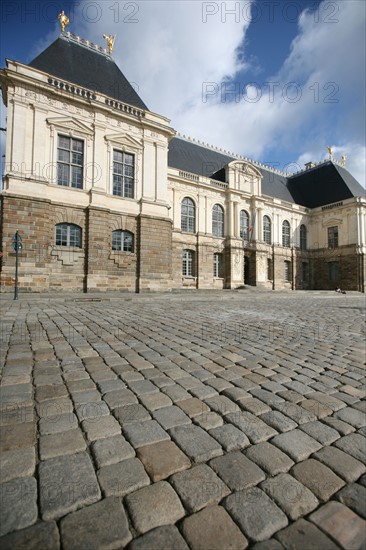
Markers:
point(230, 153)
point(70, 37)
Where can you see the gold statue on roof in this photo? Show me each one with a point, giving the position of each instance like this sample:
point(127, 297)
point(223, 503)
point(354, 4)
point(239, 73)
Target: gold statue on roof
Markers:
point(110, 41)
point(330, 152)
point(344, 160)
point(64, 20)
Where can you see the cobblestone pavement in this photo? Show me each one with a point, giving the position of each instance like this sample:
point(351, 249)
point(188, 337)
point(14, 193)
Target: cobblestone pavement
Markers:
point(205, 420)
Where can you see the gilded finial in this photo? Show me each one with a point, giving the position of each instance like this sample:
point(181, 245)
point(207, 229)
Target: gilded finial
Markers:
point(110, 41)
point(330, 152)
point(344, 160)
point(64, 20)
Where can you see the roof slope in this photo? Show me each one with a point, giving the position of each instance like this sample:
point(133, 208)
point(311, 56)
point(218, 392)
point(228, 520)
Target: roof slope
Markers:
point(324, 184)
point(90, 69)
point(197, 159)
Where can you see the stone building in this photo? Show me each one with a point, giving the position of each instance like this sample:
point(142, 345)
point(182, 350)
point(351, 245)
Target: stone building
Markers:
point(107, 196)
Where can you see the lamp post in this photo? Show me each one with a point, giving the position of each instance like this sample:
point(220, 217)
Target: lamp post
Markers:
point(16, 245)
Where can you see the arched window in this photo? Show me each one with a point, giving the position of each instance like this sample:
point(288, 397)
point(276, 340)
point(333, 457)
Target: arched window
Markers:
point(188, 215)
point(244, 225)
point(188, 263)
point(122, 241)
point(218, 265)
point(267, 230)
point(217, 221)
point(286, 237)
point(67, 234)
point(303, 237)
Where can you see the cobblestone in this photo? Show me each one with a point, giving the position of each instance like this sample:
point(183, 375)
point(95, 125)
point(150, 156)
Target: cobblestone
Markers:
point(59, 393)
point(154, 506)
point(343, 525)
point(293, 497)
point(18, 504)
point(213, 528)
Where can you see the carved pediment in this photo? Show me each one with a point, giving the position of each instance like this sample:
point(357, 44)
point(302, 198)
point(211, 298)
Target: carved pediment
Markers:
point(332, 222)
point(70, 124)
point(245, 168)
point(124, 140)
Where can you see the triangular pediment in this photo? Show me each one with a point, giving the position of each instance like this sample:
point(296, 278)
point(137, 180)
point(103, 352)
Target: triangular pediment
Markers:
point(246, 168)
point(125, 140)
point(71, 124)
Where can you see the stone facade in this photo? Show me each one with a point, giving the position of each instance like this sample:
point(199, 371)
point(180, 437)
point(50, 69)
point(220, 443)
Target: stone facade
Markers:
point(42, 110)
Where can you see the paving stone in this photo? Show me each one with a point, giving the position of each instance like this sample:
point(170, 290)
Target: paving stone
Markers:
point(160, 538)
point(176, 393)
point(144, 433)
point(55, 407)
point(16, 415)
point(295, 412)
point(255, 513)
point(92, 411)
point(82, 397)
point(107, 386)
point(131, 413)
point(43, 393)
point(199, 487)
point(352, 416)
point(230, 437)
point(197, 444)
point(353, 444)
point(119, 398)
point(106, 426)
point(237, 471)
point(18, 504)
point(278, 421)
point(101, 525)
point(254, 406)
point(291, 396)
point(338, 425)
point(208, 420)
point(270, 544)
point(163, 459)
point(354, 496)
point(17, 463)
point(17, 436)
point(66, 483)
point(318, 478)
point(270, 458)
point(251, 425)
point(321, 432)
point(60, 444)
point(222, 404)
point(170, 417)
point(141, 387)
point(213, 528)
point(236, 394)
point(328, 400)
point(303, 534)
point(154, 401)
point(297, 444)
point(318, 409)
point(58, 424)
point(218, 384)
point(347, 467)
point(266, 396)
point(123, 477)
point(43, 535)
point(154, 506)
point(193, 406)
point(203, 392)
point(293, 497)
point(111, 450)
point(343, 525)
point(81, 385)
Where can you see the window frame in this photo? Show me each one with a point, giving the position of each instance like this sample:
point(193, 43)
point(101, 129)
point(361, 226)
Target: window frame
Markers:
point(303, 237)
point(267, 229)
point(218, 265)
point(189, 217)
point(244, 225)
point(121, 174)
point(123, 233)
point(287, 271)
point(68, 227)
point(286, 234)
point(269, 269)
point(218, 221)
point(69, 163)
point(333, 236)
point(188, 267)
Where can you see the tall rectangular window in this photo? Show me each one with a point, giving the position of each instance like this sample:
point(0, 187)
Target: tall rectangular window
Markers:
point(188, 263)
point(305, 272)
point(333, 237)
point(70, 160)
point(217, 265)
point(287, 271)
point(123, 174)
point(269, 269)
point(333, 272)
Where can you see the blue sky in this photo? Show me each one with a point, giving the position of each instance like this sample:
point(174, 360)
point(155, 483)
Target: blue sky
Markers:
point(277, 81)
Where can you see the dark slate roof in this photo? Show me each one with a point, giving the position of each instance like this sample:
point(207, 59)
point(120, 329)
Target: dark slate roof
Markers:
point(203, 161)
point(76, 63)
point(324, 184)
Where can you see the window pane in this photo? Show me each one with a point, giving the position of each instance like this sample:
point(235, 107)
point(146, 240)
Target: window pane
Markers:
point(64, 142)
point(77, 145)
point(63, 156)
point(62, 174)
point(76, 177)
